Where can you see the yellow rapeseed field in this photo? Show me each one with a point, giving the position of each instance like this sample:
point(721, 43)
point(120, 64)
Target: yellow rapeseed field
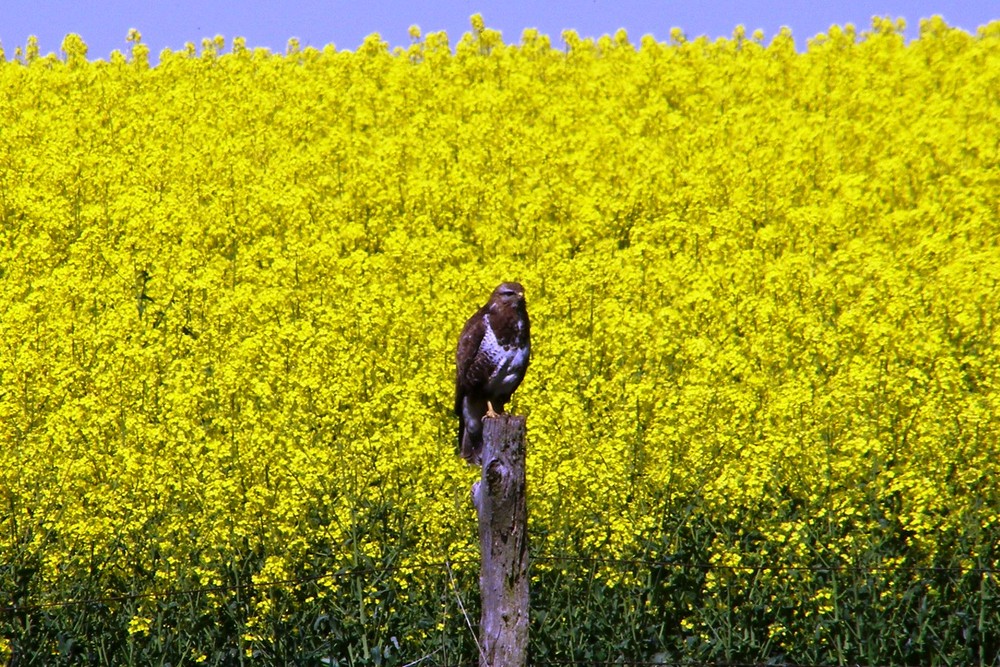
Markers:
point(764, 286)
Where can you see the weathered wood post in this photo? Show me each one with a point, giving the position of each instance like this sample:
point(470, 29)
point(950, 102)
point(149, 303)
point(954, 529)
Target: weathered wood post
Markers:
point(499, 497)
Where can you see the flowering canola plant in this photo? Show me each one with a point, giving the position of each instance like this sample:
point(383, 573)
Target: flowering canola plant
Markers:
point(763, 283)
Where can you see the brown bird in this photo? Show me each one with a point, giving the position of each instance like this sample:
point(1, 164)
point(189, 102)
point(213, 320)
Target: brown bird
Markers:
point(493, 354)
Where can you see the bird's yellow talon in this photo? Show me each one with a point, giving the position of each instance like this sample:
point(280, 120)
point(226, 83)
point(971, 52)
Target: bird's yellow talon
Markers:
point(490, 414)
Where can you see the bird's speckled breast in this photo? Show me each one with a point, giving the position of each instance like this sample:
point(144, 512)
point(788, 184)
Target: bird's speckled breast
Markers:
point(509, 360)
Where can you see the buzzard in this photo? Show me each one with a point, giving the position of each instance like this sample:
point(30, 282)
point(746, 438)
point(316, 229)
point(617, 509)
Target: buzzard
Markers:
point(493, 354)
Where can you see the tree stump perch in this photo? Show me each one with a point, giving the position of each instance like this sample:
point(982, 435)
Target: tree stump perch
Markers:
point(499, 497)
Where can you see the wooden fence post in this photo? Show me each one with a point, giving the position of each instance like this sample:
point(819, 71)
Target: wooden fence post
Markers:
point(499, 497)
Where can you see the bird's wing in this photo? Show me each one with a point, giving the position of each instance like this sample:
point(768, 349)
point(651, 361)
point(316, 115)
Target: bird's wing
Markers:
point(468, 361)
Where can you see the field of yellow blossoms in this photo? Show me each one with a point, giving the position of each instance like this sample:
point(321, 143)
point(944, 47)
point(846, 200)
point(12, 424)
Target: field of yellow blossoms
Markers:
point(764, 401)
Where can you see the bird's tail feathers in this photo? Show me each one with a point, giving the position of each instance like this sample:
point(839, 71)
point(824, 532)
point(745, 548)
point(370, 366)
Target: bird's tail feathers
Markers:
point(470, 445)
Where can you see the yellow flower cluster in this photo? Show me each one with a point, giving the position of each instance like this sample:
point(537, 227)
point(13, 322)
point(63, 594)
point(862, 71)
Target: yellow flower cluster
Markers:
point(231, 286)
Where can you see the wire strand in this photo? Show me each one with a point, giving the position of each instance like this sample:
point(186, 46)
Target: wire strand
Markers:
point(447, 564)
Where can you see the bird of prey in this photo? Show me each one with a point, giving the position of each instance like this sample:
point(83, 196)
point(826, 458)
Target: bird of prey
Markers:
point(493, 354)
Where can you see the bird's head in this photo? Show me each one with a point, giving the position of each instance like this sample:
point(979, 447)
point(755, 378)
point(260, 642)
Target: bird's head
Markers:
point(509, 294)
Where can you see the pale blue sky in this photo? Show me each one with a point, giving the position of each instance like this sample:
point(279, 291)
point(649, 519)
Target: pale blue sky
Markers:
point(103, 24)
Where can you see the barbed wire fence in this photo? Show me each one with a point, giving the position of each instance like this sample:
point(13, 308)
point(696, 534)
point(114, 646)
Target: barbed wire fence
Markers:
point(41, 603)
